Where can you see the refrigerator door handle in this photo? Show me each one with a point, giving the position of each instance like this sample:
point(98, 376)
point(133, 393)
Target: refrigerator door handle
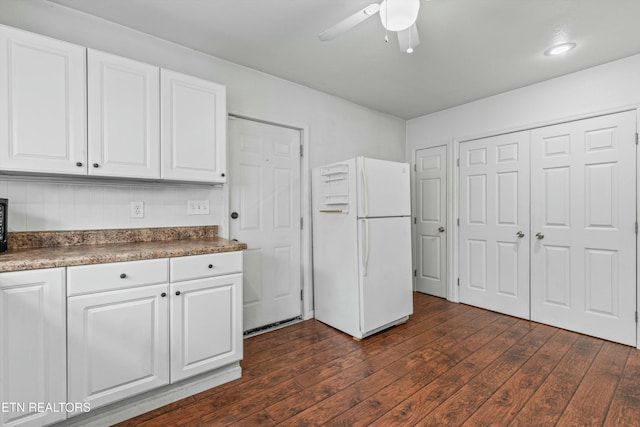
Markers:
point(365, 191)
point(366, 248)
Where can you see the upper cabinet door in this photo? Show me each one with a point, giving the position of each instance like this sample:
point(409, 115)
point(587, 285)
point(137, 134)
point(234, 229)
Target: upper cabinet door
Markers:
point(124, 117)
point(42, 104)
point(193, 129)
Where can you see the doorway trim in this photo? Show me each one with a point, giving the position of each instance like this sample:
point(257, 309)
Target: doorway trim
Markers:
point(305, 202)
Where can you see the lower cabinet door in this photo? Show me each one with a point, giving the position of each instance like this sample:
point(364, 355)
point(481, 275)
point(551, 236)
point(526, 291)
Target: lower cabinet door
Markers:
point(117, 344)
point(32, 347)
point(206, 324)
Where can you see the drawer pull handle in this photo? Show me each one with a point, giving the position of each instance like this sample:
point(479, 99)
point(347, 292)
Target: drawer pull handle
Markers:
point(177, 292)
point(123, 276)
point(164, 294)
point(210, 265)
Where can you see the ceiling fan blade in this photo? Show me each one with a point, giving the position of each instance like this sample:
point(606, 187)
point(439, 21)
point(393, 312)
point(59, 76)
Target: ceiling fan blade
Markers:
point(408, 39)
point(349, 22)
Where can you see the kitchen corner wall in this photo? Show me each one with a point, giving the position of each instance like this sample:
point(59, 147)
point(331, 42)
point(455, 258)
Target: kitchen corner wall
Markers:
point(337, 129)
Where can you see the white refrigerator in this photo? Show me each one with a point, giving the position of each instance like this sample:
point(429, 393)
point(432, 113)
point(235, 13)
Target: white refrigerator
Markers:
point(362, 273)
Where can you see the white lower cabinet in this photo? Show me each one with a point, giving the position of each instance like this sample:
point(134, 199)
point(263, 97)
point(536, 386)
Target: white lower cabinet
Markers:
point(206, 324)
point(118, 344)
point(131, 331)
point(32, 347)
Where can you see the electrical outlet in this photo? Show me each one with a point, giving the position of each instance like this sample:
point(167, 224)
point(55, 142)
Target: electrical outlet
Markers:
point(137, 209)
point(197, 207)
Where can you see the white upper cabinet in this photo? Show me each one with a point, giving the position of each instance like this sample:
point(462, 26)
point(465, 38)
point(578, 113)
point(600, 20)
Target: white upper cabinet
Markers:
point(124, 117)
point(193, 129)
point(42, 104)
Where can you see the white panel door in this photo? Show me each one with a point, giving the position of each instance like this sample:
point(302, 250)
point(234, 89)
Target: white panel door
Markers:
point(383, 188)
point(385, 273)
point(494, 223)
point(265, 205)
point(206, 324)
point(193, 128)
point(431, 221)
point(42, 104)
point(583, 213)
point(124, 116)
point(32, 345)
point(118, 344)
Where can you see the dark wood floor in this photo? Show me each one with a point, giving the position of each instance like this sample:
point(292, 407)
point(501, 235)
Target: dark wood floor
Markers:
point(450, 364)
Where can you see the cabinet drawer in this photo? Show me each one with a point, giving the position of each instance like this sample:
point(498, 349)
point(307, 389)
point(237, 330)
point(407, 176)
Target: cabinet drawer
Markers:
point(118, 275)
point(209, 265)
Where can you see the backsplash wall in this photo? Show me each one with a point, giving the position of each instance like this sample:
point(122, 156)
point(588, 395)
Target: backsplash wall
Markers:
point(36, 205)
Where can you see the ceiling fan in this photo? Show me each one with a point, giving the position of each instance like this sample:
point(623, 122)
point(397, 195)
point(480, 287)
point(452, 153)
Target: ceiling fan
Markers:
point(398, 16)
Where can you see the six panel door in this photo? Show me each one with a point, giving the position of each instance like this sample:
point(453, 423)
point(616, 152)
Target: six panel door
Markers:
point(431, 221)
point(494, 223)
point(583, 192)
point(265, 196)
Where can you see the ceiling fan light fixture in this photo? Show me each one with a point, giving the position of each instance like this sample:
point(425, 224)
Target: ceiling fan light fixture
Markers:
point(559, 49)
point(398, 15)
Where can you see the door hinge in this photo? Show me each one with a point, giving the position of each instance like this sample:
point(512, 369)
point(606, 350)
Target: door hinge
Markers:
point(301, 150)
point(458, 222)
point(301, 222)
point(636, 227)
point(415, 169)
point(458, 281)
point(415, 273)
point(301, 295)
point(636, 317)
point(415, 219)
point(458, 162)
point(636, 138)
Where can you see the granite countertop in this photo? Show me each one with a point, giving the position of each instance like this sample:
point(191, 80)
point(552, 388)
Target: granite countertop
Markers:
point(48, 249)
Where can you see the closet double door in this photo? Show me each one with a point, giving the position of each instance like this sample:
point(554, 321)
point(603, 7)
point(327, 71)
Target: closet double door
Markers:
point(547, 225)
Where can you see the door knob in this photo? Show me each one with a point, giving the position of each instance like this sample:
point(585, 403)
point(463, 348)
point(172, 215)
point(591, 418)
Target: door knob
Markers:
point(234, 215)
point(539, 236)
point(520, 234)
point(441, 229)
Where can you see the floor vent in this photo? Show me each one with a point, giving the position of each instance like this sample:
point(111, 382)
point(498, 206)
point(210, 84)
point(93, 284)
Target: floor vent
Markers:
point(271, 326)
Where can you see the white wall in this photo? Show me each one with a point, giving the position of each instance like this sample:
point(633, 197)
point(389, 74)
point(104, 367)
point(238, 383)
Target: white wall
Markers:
point(337, 129)
point(605, 87)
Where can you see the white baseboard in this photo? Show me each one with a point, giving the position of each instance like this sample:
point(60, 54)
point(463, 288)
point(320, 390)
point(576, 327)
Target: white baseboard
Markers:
point(140, 404)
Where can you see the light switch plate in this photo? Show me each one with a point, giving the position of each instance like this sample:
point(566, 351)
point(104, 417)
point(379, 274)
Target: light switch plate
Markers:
point(197, 207)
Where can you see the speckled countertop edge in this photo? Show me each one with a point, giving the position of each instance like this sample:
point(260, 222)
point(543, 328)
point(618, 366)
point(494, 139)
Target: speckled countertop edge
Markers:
point(156, 246)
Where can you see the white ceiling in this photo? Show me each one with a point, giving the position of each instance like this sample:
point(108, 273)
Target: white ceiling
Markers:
point(470, 49)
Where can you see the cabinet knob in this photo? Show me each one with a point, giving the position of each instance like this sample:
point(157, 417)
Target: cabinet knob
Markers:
point(210, 265)
point(177, 292)
point(539, 236)
point(123, 276)
point(164, 294)
point(222, 174)
point(95, 165)
point(234, 215)
point(79, 164)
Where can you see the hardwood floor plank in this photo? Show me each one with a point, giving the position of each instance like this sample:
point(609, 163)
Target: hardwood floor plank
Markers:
point(547, 403)
point(593, 397)
point(381, 402)
point(319, 414)
point(450, 364)
point(507, 401)
point(625, 408)
point(457, 408)
point(430, 392)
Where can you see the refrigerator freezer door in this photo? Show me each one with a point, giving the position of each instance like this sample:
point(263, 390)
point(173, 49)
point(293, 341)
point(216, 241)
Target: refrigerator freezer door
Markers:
point(385, 277)
point(383, 188)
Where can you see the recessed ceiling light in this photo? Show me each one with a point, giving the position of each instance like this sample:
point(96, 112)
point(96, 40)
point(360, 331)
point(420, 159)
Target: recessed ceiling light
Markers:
point(559, 49)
